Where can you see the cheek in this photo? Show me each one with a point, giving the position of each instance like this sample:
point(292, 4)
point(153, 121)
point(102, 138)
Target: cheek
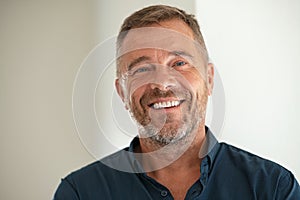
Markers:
point(196, 81)
point(135, 96)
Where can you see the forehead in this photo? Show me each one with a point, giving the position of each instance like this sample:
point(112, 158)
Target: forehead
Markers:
point(172, 35)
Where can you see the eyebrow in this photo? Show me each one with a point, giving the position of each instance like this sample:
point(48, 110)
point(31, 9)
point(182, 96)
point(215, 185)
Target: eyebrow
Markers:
point(147, 58)
point(181, 53)
point(137, 61)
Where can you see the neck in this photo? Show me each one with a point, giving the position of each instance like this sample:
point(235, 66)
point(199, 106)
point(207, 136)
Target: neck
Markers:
point(178, 175)
point(181, 155)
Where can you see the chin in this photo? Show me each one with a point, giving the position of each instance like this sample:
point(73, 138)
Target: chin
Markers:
point(170, 134)
point(166, 140)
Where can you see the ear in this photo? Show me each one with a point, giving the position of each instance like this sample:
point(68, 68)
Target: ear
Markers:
point(210, 78)
point(120, 92)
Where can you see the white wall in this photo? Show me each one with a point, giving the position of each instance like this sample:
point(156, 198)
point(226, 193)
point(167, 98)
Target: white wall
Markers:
point(42, 46)
point(255, 46)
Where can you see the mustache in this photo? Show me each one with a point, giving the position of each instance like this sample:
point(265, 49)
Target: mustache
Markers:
point(152, 94)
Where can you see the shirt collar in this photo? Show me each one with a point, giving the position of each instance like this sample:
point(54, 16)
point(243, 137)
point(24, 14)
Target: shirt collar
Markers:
point(210, 147)
point(208, 150)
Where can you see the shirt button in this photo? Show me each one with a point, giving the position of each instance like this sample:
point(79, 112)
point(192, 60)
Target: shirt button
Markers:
point(164, 193)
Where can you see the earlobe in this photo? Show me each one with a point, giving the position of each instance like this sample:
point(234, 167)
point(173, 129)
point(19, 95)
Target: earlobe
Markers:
point(120, 92)
point(210, 78)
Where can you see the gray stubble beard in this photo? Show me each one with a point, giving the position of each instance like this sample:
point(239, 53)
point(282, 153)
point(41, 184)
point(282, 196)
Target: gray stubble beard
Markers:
point(178, 137)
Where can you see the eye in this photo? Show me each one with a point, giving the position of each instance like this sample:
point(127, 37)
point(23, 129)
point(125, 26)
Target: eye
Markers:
point(179, 63)
point(141, 69)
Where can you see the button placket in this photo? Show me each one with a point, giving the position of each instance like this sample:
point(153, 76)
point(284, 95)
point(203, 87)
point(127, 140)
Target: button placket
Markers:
point(164, 193)
point(204, 172)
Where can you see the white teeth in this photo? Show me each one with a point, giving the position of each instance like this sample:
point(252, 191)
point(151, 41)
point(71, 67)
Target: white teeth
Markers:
point(169, 104)
point(165, 104)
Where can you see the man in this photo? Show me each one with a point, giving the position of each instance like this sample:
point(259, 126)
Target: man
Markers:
point(164, 79)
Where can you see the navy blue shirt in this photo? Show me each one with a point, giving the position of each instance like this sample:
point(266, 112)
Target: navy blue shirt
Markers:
point(227, 172)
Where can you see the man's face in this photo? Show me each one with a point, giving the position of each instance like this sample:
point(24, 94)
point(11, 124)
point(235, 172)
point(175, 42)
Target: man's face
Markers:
point(164, 80)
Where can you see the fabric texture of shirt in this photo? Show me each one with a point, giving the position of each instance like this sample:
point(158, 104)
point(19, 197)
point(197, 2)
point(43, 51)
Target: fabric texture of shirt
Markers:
point(227, 172)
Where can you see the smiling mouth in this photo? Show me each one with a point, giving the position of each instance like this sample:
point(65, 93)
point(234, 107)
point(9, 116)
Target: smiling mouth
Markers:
point(165, 104)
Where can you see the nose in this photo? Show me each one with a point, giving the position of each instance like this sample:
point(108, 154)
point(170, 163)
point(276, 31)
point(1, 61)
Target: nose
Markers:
point(163, 78)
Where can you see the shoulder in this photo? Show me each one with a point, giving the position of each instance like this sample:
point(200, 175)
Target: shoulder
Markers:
point(79, 183)
point(101, 169)
point(257, 171)
point(96, 178)
point(236, 172)
point(87, 172)
point(239, 157)
point(245, 161)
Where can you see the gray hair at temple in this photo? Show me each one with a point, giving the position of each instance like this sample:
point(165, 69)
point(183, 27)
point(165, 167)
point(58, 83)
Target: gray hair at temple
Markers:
point(155, 14)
